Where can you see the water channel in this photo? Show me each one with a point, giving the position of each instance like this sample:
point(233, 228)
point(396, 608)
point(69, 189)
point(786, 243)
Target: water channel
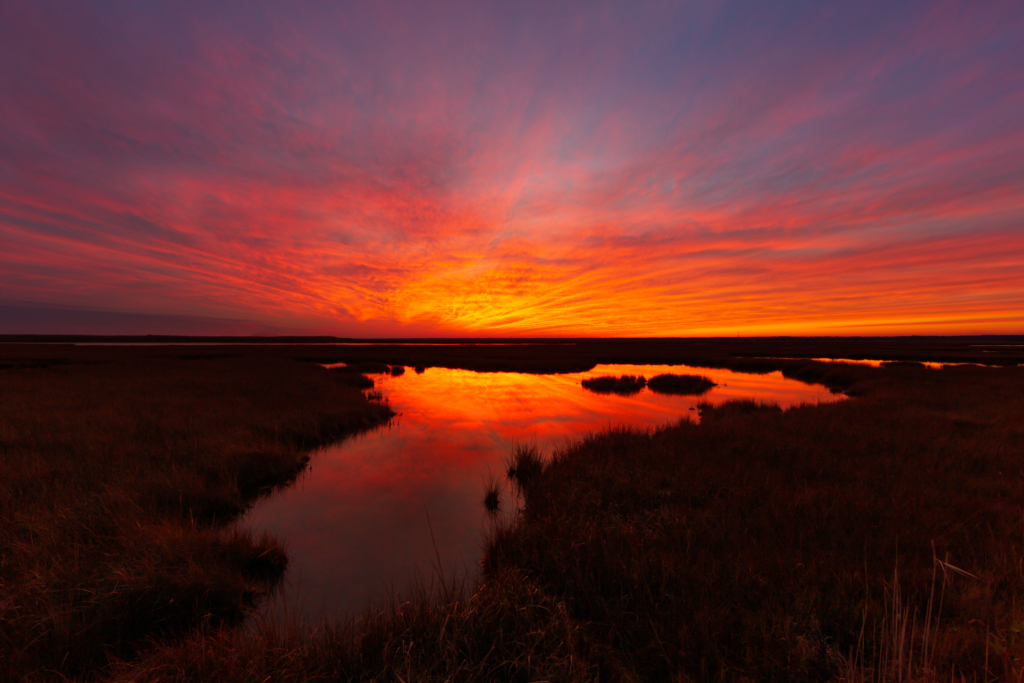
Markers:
point(373, 511)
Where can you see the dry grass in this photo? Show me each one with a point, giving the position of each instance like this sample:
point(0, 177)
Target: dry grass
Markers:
point(757, 545)
point(350, 377)
point(904, 643)
point(504, 630)
point(685, 385)
point(492, 496)
point(523, 466)
point(116, 476)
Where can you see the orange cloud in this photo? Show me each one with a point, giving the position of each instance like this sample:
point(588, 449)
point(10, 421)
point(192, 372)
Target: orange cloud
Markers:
point(480, 170)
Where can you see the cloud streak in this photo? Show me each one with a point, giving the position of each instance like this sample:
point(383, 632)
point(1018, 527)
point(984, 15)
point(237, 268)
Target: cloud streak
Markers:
point(485, 169)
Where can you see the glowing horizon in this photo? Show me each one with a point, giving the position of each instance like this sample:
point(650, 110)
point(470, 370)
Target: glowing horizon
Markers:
point(483, 170)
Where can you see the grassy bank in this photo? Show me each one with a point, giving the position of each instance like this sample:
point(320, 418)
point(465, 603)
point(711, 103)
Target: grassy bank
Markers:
point(757, 544)
point(746, 355)
point(820, 543)
point(873, 539)
point(118, 470)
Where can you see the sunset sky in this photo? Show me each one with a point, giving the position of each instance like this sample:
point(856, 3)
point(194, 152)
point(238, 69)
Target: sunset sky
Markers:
point(512, 168)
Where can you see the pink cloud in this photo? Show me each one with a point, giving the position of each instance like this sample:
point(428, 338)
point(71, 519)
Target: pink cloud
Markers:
point(478, 170)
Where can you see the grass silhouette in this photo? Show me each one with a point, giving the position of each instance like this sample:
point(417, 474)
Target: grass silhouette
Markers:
point(350, 377)
point(624, 385)
point(689, 385)
point(492, 496)
point(523, 466)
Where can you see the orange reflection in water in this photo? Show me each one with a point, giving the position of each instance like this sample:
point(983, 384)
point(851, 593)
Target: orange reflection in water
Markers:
point(879, 363)
point(373, 510)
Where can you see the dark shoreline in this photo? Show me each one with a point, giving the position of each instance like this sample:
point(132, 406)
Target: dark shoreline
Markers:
point(119, 477)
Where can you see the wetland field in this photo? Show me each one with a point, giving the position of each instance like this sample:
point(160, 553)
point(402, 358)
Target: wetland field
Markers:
point(300, 509)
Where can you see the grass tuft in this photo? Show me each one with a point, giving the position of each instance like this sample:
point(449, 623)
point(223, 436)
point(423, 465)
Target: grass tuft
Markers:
point(624, 385)
point(686, 385)
point(492, 497)
point(523, 466)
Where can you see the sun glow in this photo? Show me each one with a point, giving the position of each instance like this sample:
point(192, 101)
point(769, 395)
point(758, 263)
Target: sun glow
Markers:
point(608, 185)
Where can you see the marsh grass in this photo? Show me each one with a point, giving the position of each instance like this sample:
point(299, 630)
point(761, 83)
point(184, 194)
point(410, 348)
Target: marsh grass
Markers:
point(350, 377)
point(492, 496)
point(501, 629)
point(756, 545)
point(905, 641)
point(523, 466)
point(624, 385)
point(116, 478)
point(759, 544)
point(751, 546)
point(684, 385)
point(371, 367)
point(743, 355)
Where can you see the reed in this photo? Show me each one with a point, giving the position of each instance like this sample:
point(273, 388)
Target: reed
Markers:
point(904, 643)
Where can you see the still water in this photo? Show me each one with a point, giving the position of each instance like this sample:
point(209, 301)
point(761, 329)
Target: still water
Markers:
point(371, 512)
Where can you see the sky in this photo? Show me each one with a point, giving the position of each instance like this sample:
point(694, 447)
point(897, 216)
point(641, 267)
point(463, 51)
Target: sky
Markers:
point(512, 169)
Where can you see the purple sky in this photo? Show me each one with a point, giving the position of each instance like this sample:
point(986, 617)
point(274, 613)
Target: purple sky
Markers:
point(512, 168)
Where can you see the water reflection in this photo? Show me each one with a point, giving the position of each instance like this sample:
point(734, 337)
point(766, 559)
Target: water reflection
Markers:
point(934, 365)
point(371, 511)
